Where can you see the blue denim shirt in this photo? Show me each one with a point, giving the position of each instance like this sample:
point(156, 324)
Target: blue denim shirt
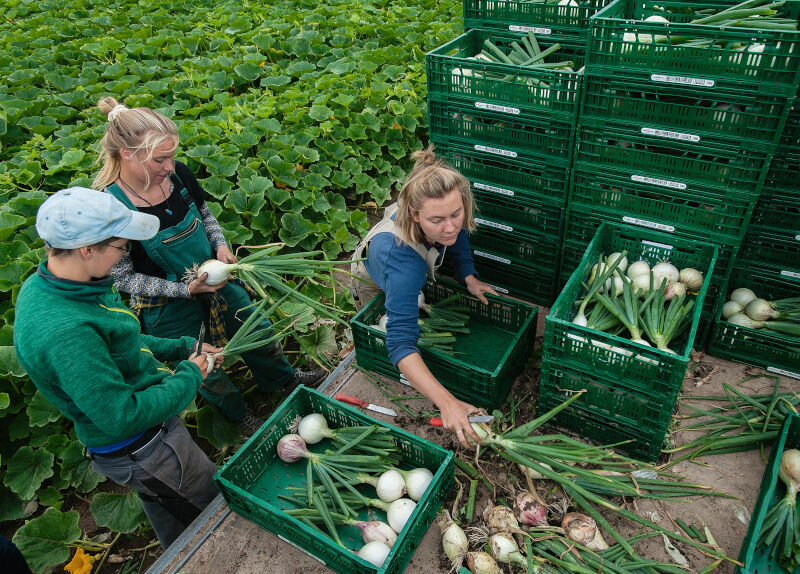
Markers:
point(401, 273)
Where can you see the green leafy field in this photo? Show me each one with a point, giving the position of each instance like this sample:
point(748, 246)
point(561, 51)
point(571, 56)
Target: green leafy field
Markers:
point(293, 115)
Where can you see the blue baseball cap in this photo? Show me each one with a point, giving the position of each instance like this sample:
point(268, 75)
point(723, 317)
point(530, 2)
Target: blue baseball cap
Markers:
point(78, 217)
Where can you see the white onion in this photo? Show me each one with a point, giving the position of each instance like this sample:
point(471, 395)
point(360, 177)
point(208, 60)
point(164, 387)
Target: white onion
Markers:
point(743, 296)
point(454, 541)
point(391, 486)
point(674, 290)
point(504, 549)
point(583, 530)
point(377, 531)
point(641, 284)
point(374, 552)
point(500, 518)
point(617, 288)
point(291, 448)
point(596, 271)
point(217, 271)
point(623, 264)
point(417, 481)
point(399, 512)
point(743, 320)
point(638, 268)
point(691, 278)
point(313, 428)
point(664, 269)
point(482, 563)
point(382, 322)
point(759, 310)
point(731, 308)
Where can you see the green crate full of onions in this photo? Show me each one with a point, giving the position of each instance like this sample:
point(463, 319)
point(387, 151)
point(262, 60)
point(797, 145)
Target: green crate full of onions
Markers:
point(631, 309)
point(313, 475)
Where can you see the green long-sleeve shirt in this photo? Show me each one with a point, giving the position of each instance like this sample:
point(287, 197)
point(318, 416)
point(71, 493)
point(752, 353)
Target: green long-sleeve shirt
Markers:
point(84, 351)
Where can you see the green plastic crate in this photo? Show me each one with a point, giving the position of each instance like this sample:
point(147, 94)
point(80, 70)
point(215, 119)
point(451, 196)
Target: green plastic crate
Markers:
point(499, 134)
point(707, 212)
point(516, 241)
point(541, 18)
point(504, 176)
point(638, 442)
point(756, 559)
point(772, 351)
point(638, 366)
point(790, 138)
point(783, 170)
point(686, 112)
point(253, 478)
point(541, 213)
point(672, 163)
point(709, 67)
point(777, 209)
point(773, 246)
point(515, 90)
point(488, 359)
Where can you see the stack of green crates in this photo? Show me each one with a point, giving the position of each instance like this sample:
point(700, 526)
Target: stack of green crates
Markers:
point(768, 262)
point(510, 131)
point(631, 390)
point(673, 137)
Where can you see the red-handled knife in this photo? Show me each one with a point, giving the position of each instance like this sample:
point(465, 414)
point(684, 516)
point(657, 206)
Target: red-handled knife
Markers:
point(437, 422)
point(364, 404)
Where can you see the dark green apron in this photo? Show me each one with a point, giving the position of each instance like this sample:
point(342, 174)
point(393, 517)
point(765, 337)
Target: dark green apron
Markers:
point(176, 249)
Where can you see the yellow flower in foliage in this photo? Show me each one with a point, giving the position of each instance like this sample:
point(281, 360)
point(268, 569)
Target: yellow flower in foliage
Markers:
point(81, 563)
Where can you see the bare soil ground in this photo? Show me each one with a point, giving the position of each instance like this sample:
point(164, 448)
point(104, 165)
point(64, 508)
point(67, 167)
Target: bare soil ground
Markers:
point(238, 546)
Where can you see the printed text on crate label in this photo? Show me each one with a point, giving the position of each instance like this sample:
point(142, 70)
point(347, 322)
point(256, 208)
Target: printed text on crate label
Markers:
point(492, 257)
point(783, 372)
point(788, 273)
point(498, 288)
point(645, 223)
point(703, 82)
point(494, 224)
point(493, 189)
point(534, 29)
point(661, 182)
point(495, 150)
point(669, 134)
point(496, 108)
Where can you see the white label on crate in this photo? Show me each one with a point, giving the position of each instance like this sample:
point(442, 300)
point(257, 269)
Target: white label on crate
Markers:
point(493, 189)
point(502, 226)
point(661, 182)
point(404, 380)
point(496, 108)
point(778, 371)
point(659, 245)
point(498, 289)
point(495, 150)
point(645, 223)
point(788, 273)
point(534, 29)
point(303, 550)
point(797, 237)
point(492, 257)
point(703, 82)
point(669, 134)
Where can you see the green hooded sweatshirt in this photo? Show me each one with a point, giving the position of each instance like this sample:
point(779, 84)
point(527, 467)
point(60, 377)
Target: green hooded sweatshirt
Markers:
point(84, 351)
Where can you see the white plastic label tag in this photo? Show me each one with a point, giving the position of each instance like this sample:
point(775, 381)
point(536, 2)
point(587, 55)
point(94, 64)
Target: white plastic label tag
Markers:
point(660, 182)
point(650, 224)
point(788, 273)
point(493, 189)
point(778, 371)
point(498, 289)
point(494, 224)
point(702, 82)
point(492, 257)
point(497, 108)
point(495, 150)
point(534, 29)
point(669, 134)
point(659, 245)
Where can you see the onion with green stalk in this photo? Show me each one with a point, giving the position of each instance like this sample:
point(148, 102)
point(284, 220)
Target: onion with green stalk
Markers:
point(663, 323)
point(596, 282)
point(780, 530)
point(626, 308)
point(763, 310)
point(790, 328)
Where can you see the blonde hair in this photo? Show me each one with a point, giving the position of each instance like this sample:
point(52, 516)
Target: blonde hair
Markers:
point(431, 178)
point(136, 129)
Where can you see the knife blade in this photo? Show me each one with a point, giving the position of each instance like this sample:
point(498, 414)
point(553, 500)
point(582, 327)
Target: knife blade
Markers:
point(365, 404)
point(437, 422)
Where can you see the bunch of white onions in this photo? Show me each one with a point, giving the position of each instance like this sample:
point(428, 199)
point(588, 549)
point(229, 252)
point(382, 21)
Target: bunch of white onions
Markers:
point(745, 309)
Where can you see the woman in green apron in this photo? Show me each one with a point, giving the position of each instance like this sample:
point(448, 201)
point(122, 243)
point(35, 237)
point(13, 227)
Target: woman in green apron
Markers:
point(139, 169)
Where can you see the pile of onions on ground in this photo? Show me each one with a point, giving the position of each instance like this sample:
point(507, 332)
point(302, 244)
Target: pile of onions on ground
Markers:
point(646, 302)
point(397, 490)
point(745, 309)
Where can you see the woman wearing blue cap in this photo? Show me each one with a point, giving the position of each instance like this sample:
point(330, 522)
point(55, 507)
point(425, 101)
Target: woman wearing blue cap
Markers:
point(84, 351)
point(139, 169)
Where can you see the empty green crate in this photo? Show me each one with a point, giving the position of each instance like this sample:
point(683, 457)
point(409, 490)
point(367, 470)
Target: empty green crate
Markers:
point(756, 559)
point(610, 397)
point(517, 242)
point(537, 212)
point(668, 61)
point(574, 346)
point(638, 442)
point(790, 138)
point(254, 477)
point(762, 348)
point(772, 246)
point(777, 209)
point(685, 112)
point(541, 18)
point(783, 170)
point(487, 360)
point(506, 176)
point(507, 88)
point(673, 163)
point(499, 134)
point(705, 211)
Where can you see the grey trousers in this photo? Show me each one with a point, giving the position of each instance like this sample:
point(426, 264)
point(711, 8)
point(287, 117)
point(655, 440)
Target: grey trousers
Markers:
point(172, 476)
